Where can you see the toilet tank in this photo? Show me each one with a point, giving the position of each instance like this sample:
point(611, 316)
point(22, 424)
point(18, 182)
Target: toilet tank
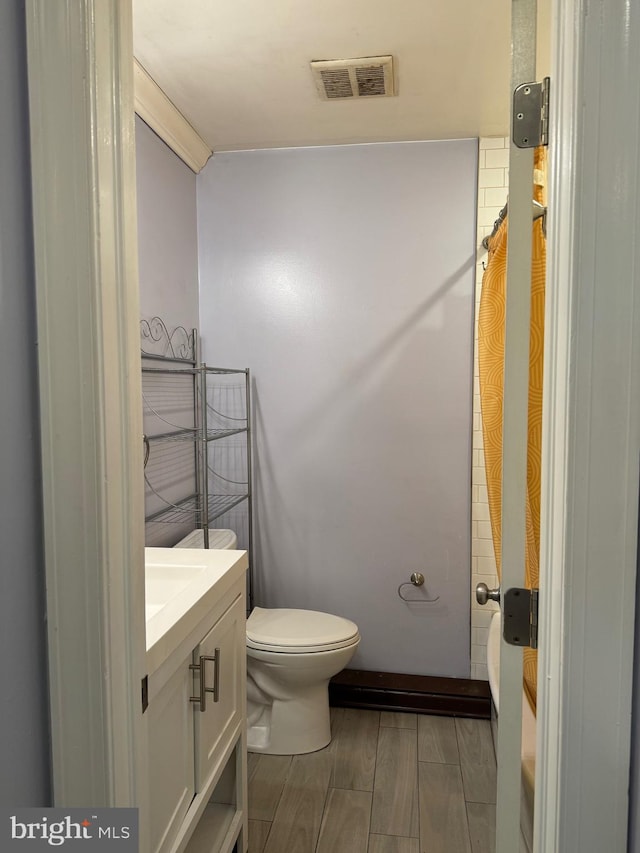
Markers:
point(219, 540)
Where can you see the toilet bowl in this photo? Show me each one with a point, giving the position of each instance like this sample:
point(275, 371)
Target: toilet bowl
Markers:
point(291, 657)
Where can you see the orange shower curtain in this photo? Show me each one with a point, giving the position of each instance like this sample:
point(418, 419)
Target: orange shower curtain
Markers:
point(491, 332)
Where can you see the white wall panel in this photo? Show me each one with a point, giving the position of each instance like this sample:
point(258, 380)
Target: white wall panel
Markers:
point(343, 277)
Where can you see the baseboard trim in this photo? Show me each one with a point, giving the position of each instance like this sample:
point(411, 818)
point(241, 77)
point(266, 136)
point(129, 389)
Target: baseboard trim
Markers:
point(422, 694)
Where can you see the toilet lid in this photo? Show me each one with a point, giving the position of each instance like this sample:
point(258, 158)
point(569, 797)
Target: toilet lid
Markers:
point(299, 630)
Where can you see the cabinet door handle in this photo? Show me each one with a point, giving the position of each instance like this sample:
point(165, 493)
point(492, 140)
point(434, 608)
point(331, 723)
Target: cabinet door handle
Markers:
point(216, 676)
point(200, 667)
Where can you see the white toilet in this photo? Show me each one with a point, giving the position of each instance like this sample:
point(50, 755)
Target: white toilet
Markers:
point(291, 656)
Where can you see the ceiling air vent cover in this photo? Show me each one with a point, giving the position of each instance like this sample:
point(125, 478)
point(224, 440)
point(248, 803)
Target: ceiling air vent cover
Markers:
point(371, 76)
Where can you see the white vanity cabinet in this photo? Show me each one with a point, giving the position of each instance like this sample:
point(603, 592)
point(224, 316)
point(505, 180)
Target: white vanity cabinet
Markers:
point(220, 652)
point(170, 727)
point(196, 735)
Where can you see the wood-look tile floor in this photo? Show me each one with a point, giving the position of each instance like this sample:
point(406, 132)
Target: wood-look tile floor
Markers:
point(387, 783)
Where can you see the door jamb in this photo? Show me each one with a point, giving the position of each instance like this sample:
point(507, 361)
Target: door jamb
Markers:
point(85, 235)
point(591, 433)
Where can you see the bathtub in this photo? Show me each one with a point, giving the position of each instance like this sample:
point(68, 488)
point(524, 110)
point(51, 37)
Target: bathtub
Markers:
point(528, 734)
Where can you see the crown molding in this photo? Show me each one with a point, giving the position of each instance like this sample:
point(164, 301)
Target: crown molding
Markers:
point(165, 119)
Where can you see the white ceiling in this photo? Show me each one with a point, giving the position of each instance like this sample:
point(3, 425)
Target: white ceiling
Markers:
point(239, 71)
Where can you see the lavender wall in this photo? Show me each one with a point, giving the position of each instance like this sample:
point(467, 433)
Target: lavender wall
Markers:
point(167, 232)
point(168, 270)
point(343, 277)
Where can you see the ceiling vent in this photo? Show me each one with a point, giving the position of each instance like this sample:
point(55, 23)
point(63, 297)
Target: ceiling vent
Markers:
point(369, 77)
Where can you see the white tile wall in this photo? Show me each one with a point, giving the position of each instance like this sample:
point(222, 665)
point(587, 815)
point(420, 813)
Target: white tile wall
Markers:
point(493, 177)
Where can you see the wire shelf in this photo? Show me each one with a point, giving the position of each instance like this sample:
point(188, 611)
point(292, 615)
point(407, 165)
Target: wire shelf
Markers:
point(176, 513)
point(191, 479)
point(158, 342)
point(188, 434)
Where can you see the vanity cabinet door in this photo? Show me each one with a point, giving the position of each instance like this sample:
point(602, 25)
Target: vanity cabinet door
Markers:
point(171, 759)
point(216, 725)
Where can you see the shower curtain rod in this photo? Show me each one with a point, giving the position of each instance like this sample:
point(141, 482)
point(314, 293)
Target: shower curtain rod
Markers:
point(538, 211)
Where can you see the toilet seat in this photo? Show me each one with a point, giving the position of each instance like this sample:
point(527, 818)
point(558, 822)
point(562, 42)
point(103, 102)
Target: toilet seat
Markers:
point(289, 631)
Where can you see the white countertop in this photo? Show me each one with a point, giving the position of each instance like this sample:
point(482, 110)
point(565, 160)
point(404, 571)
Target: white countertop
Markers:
point(182, 586)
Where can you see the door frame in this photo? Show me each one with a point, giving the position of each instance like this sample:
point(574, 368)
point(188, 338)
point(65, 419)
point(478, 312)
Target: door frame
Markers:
point(83, 167)
point(591, 432)
point(86, 267)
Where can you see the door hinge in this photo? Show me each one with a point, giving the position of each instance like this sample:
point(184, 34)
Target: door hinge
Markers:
point(145, 693)
point(531, 114)
point(520, 617)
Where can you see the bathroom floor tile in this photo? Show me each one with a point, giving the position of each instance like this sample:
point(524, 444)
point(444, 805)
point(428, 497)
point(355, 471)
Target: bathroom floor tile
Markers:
point(474, 741)
point(443, 814)
point(355, 746)
point(398, 720)
point(345, 824)
point(395, 793)
point(297, 820)
point(393, 844)
point(477, 760)
point(258, 833)
point(479, 782)
point(368, 792)
point(482, 827)
point(267, 776)
point(253, 759)
point(336, 715)
point(437, 740)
